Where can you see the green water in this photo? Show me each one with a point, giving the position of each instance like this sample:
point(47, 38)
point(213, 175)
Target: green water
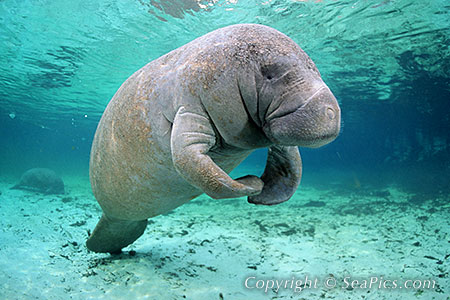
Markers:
point(375, 202)
point(65, 59)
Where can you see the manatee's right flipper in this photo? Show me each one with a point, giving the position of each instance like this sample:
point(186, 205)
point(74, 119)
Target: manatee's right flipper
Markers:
point(111, 235)
point(192, 137)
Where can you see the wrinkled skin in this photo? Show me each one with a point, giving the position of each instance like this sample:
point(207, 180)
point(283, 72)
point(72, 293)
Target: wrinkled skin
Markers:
point(179, 125)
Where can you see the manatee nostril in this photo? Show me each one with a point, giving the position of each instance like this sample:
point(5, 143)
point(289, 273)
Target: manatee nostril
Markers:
point(330, 113)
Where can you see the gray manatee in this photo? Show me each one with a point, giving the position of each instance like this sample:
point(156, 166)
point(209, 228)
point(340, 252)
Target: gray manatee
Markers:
point(40, 180)
point(180, 124)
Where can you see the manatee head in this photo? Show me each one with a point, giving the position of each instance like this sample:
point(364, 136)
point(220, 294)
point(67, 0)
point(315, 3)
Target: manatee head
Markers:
point(280, 86)
point(297, 108)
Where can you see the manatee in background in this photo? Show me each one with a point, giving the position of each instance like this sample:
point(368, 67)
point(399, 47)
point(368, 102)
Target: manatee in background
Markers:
point(179, 125)
point(41, 180)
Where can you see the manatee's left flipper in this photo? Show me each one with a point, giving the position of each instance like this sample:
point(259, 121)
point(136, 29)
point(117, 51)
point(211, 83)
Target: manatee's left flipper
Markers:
point(281, 176)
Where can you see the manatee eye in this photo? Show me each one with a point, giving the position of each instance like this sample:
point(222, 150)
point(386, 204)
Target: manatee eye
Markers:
point(268, 72)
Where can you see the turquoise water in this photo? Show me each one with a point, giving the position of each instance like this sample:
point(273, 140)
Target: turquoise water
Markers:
point(375, 202)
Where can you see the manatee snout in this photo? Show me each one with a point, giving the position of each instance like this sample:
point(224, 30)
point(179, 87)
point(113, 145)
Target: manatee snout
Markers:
point(314, 123)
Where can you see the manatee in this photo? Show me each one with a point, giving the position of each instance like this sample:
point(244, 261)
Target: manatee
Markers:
point(180, 124)
point(40, 180)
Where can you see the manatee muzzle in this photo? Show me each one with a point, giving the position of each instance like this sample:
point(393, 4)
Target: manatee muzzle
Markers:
point(314, 123)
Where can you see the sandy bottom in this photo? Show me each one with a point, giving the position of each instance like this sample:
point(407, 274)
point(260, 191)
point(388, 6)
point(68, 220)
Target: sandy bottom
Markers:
point(229, 249)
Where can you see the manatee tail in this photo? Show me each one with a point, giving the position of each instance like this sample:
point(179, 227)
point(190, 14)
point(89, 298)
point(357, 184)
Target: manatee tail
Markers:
point(111, 235)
